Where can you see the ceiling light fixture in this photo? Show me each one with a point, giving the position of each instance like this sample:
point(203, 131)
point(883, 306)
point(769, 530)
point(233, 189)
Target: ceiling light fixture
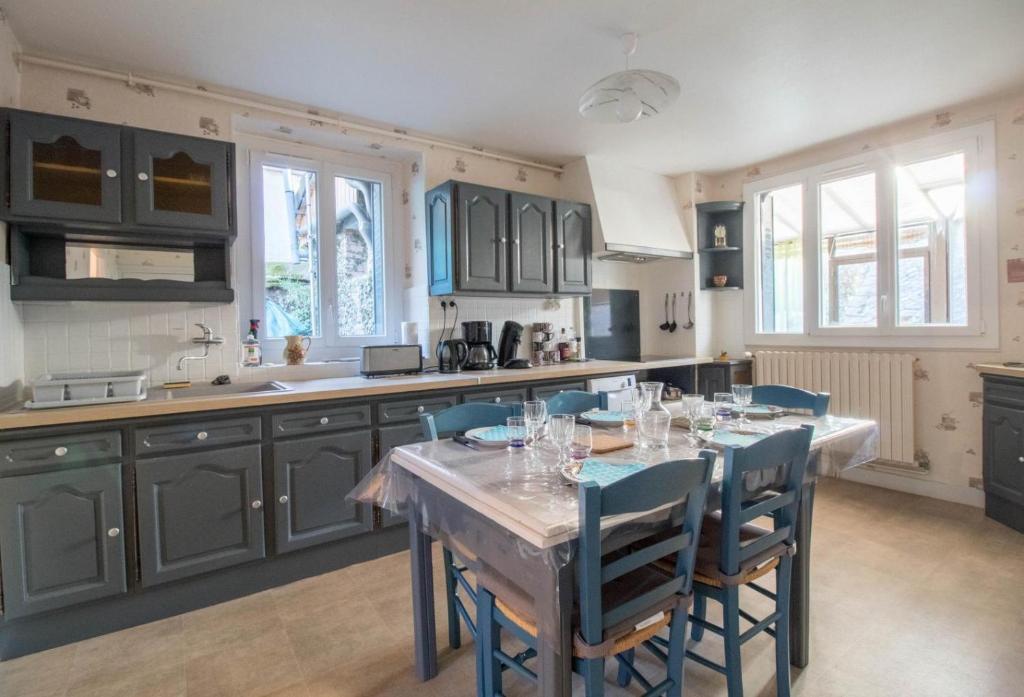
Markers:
point(629, 95)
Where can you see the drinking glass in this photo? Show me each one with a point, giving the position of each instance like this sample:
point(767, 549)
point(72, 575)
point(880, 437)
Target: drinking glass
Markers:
point(691, 409)
point(743, 395)
point(705, 421)
point(517, 431)
point(536, 413)
point(561, 426)
point(655, 425)
point(582, 443)
point(723, 406)
point(629, 400)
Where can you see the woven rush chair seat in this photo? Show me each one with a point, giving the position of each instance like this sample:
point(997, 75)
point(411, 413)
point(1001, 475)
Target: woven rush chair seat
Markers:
point(518, 608)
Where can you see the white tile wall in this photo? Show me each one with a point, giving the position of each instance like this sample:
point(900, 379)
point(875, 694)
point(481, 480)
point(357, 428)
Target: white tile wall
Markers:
point(63, 337)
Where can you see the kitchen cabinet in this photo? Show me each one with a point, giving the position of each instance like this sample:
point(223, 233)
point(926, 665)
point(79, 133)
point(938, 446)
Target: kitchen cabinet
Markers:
point(511, 395)
point(1003, 450)
point(61, 540)
point(720, 376)
point(199, 511)
point(482, 238)
point(531, 249)
point(725, 260)
point(572, 247)
point(64, 168)
point(486, 241)
point(312, 477)
point(181, 182)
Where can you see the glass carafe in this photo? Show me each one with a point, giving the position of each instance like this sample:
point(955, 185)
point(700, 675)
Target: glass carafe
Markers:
point(651, 393)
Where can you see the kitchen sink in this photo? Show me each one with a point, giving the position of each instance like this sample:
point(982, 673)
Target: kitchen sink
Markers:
point(216, 390)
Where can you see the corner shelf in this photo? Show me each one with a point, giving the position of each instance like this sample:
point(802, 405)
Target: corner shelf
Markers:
point(720, 261)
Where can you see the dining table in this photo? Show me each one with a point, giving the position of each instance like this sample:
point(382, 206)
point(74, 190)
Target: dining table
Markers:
point(513, 514)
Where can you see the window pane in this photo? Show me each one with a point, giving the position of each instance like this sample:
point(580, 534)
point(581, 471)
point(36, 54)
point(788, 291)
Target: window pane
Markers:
point(290, 252)
point(359, 247)
point(781, 224)
point(932, 263)
point(849, 288)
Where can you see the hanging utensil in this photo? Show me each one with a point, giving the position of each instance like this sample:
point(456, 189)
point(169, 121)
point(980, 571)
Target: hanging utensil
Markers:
point(689, 311)
point(665, 325)
point(673, 326)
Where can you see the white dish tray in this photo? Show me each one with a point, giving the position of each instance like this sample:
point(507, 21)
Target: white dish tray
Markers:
point(84, 402)
point(71, 389)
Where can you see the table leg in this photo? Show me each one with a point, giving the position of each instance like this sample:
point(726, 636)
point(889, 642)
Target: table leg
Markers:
point(422, 567)
point(555, 649)
point(800, 595)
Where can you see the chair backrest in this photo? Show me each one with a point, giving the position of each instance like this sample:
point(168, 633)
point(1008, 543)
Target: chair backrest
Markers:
point(680, 482)
point(463, 417)
point(791, 398)
point(576, 402)
point(786, 451)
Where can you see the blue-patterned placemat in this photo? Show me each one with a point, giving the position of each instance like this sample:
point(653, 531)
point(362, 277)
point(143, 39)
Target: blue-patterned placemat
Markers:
point(732, 439)
point(605, 473)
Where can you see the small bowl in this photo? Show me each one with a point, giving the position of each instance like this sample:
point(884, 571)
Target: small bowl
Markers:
point(719, 281)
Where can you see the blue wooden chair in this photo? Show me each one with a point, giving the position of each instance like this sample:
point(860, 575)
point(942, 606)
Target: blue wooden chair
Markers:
point(576, 402)
point(462, 417)
point(734, 552)
point(791, 398)
point(623, 599)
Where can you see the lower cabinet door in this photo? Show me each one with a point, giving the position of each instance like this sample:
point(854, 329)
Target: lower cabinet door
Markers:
point(1003, 455)
point(392, 437)
point(61, 539)
point(199, 512)
point(312, 476)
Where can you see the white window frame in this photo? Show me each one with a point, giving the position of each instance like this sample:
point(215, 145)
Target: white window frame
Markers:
point(327, 164)
point(977, 142)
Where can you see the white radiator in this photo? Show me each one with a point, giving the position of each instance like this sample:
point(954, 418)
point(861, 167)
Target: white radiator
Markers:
point(878, 386)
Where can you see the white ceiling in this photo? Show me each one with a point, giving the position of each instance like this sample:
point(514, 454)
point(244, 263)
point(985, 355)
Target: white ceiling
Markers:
point(758, 78)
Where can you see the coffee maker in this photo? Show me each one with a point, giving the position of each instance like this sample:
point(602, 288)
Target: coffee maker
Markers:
point(508, 346)
point(482, 355)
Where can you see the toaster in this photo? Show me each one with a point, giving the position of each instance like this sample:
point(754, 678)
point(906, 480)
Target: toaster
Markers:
point(390, 359)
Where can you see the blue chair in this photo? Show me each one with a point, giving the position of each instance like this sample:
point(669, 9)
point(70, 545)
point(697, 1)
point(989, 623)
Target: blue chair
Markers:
point(734, 552)
point(791, 398)
point(619, 589)
point(462, 417)
point(576, 402)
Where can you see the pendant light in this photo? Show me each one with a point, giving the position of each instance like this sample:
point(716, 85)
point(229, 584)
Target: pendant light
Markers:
point(629, 95)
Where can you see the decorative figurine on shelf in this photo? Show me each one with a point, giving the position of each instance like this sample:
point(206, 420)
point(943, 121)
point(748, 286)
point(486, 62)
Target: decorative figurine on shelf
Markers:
point(719, 280)
point(720, 236)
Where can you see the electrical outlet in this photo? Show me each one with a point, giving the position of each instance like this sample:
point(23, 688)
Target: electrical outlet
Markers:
point(976, 483)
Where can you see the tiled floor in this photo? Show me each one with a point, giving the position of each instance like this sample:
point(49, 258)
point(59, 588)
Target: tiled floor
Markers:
point(911, 597)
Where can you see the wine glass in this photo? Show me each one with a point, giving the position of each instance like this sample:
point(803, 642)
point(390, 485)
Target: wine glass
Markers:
point(536, 413)
point(561, 426)
point(691, 408)
point(581, 445)
point(743, 395)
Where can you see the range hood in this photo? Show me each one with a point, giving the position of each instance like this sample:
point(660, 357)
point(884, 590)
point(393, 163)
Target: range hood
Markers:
point(637, 217)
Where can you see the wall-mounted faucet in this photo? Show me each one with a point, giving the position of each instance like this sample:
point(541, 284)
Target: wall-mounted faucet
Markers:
point(206, 341)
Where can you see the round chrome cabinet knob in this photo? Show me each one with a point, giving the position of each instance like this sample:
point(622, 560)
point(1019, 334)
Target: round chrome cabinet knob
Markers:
point(257, 504)
point(419, 409)
point(324, 421)
point(113, 532)
point(143, 177)
point(497, 400)
point(112, 173)
point(283, 499)
point(61, 451)
point(202, 435)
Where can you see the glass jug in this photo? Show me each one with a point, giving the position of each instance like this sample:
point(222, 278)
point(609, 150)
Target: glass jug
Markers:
point(651, 395)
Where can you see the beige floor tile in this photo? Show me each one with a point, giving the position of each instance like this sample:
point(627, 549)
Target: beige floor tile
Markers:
point(260, 665)
point(43, 674)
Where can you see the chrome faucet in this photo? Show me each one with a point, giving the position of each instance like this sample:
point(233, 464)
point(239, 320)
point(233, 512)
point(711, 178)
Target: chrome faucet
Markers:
point(206, 341)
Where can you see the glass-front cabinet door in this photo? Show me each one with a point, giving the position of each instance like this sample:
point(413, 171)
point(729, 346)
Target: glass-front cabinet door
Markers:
point(65, 168)
point(181, 182)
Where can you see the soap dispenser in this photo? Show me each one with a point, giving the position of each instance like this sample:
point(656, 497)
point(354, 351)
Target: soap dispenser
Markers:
point(252, 354)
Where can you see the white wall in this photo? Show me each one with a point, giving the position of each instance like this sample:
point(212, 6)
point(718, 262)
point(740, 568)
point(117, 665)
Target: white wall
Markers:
point(947, 388)
point(12, 369)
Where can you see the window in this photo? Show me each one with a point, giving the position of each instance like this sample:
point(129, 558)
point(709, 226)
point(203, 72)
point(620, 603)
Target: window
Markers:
point(321, 236)
point(906, 248)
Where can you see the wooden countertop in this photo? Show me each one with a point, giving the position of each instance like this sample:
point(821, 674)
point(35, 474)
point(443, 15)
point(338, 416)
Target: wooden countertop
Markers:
point(162, 402)
point(999, 369)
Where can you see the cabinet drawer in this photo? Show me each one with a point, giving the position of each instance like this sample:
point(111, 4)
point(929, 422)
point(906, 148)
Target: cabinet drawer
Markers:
point(1005, 390)
point(151, 440)
point(546, 392)
point(410, 409)
point(56, 451)
point(514, 396)
point(322, 420)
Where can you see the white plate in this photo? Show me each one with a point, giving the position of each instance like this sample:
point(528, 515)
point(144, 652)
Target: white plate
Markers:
point(489, 436)
point(604, 418)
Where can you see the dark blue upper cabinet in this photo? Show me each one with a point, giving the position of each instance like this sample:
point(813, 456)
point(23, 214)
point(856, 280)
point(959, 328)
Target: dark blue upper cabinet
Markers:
point(482, 239)
point(531, 250)
point(180, 182)
point(572, 247)
point(441, 254)
point(64, 168)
